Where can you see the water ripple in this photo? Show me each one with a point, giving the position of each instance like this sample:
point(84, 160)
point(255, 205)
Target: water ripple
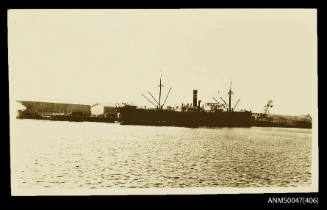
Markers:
point(99, 155)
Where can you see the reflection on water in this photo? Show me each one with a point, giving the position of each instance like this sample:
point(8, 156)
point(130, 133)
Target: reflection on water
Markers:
point(103, 155)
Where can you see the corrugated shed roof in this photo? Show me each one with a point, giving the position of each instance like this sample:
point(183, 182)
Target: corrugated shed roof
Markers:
point(45, 107)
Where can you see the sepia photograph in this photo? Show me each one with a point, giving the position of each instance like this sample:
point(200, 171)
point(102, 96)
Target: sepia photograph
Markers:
point(162, 101)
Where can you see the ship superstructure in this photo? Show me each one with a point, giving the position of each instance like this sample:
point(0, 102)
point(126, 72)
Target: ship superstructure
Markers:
point(190, 115)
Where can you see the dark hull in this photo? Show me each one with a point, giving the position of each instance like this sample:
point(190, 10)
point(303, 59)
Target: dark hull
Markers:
point(296, 124)
point(185, 119)
point(178, 119)
point(65, 118)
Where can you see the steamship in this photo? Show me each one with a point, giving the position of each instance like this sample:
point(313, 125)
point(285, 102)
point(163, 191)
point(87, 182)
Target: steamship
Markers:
point(221, 113)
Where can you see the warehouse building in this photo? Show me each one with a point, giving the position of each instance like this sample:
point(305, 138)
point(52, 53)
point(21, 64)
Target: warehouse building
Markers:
point(46, 108)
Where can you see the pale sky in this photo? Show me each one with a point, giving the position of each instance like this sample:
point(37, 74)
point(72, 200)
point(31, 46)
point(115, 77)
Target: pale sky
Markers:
point(109, 56)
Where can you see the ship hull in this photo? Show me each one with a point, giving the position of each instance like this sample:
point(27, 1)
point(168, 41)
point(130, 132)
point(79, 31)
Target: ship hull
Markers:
point(185, 119)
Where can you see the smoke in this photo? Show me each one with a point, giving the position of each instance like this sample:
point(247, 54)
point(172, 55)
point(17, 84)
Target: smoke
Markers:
point(19, 107)
point(97, 109)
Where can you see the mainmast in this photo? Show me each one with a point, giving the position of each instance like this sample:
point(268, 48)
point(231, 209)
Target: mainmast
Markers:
point(230, 92)
point(157, 103)
point(227, 106)
point(160, 85)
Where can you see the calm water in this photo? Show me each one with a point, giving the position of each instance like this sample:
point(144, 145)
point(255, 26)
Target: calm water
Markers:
point(48, 154)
